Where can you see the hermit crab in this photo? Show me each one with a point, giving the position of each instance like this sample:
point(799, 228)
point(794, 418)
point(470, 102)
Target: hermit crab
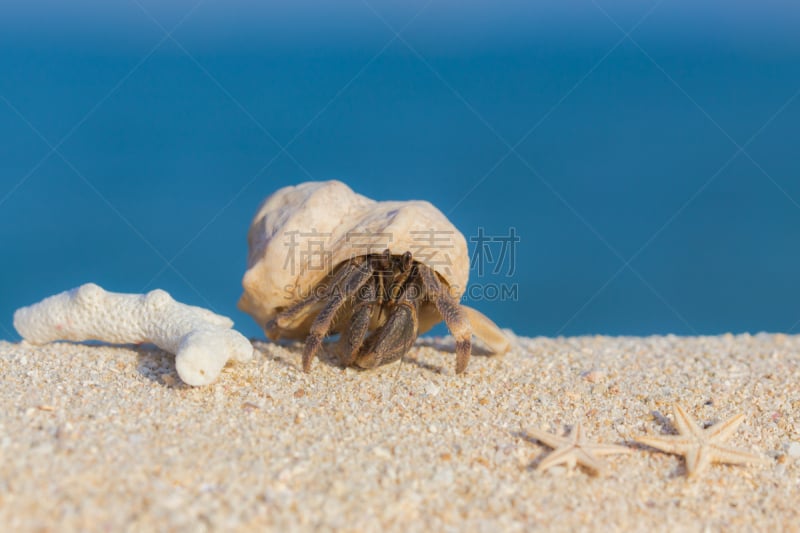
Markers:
point(324, 260)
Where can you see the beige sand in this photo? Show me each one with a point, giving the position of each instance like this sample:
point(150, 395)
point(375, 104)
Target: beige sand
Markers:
point(108, 438)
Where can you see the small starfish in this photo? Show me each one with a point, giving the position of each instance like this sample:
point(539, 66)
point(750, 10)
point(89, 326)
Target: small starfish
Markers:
point(702, 447)
point(575, 450)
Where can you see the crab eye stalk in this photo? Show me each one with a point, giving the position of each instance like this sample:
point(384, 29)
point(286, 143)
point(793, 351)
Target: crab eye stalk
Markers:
point(407, 260)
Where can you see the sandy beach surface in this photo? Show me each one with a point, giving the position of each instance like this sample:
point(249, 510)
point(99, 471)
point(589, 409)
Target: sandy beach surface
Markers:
point(108, 438)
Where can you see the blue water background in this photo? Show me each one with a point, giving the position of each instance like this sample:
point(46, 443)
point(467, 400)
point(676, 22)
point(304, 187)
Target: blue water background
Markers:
point(636, 210)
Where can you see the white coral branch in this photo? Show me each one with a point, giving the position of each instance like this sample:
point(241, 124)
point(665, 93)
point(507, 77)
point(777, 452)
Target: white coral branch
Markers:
point(202, 341)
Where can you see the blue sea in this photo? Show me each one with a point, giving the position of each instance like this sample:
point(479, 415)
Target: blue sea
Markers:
point(621, 168)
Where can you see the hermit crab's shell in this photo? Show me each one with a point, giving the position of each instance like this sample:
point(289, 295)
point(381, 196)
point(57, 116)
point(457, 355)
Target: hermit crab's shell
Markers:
point(301, 232)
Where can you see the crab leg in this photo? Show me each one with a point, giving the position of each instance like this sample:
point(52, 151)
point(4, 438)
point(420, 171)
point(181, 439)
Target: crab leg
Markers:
point(354, 276)
point(292, 316)
point(456, 319)
point(352, 337)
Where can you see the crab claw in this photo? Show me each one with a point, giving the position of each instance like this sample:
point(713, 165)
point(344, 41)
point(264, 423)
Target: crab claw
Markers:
point(393, 340)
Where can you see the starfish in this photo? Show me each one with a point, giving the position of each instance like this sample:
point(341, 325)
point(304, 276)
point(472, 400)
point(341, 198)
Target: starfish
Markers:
point(702, 447)
point(575, 450)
